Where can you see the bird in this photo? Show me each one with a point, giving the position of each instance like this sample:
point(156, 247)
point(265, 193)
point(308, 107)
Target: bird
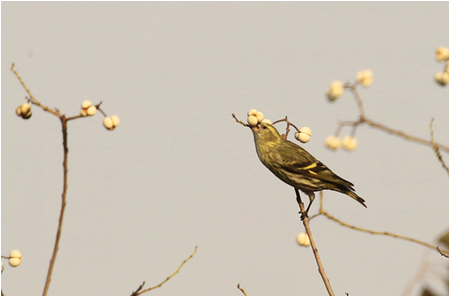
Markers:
point(296, 167)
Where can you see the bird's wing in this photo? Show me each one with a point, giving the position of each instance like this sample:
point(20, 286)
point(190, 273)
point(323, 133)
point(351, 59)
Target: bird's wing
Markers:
point(297, 160)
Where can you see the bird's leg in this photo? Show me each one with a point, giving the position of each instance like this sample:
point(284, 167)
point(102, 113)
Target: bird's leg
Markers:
point(299, 201)
point(311, 199)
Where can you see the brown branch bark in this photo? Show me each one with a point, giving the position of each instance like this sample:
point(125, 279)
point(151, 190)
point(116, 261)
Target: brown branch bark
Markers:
point(63, 206)
point(313, 245)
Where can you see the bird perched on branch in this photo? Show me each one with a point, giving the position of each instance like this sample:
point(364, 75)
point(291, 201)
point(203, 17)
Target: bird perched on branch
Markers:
point(295, 166)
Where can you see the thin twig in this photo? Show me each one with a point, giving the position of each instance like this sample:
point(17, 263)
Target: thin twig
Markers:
point(242, 290)
point(444, 253)
point(243, 124)
point(288, 124)
point(363, 119)
point(32, 99)
point(313, 245)
point(357, 98)
point(404, 135)
point(136, 293)
point(435, 148)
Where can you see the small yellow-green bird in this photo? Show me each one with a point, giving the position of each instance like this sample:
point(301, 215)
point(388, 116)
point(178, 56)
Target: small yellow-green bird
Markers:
point(295, 166)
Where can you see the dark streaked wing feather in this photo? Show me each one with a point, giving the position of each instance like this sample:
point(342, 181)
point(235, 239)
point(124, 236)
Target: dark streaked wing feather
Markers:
point(299, 161)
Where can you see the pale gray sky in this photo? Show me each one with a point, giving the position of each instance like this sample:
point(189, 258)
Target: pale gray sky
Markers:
point(180, 172)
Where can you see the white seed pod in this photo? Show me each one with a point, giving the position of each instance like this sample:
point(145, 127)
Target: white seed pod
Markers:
point(349, 143)
point(303, 239)
point(304, 135)
point(25, 108)
point(333, 142)
point(15, 254)
point(27, 116)
point(267, 121)
point(259, 116)
point(91, 110)
point(83, 112)
point(15, 258)
point(86, 104)
point(252, 121)
point(14, 262)
point(252, 112)
point(335, 91)
point(19, 111)
point(442, 53)
point(441, 78)
point(365, 78)
point(115, 120)
point(306, 130)
point(108, 123)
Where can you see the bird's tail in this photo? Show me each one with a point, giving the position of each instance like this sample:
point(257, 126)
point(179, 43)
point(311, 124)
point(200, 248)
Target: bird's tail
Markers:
point(356, 197)
point(346, 190)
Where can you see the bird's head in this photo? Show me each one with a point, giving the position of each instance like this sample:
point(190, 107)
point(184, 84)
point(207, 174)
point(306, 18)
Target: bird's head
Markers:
point(266, 133)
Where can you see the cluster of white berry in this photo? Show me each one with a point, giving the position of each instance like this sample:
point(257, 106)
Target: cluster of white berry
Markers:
point(24, 111)
point(87, 109)
point(14, 259)
point(255, 117)
point(111, 122)
point(442, 54)
point(348, 143)
point(304, 135)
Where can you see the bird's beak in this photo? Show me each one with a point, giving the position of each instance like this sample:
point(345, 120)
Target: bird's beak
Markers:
point(256, 129)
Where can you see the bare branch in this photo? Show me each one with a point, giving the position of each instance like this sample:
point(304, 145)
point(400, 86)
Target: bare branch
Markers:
point(363, 119)
point(243, 124)
point(63, 206)
point(32, 99)
point(404, 135)
point(242, 290)
point(138, 289)
point(138, 292)
point(313, 245)
point(444, 253)
point(435, 148)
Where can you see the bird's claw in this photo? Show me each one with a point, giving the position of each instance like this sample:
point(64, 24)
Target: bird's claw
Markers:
point(304, 215)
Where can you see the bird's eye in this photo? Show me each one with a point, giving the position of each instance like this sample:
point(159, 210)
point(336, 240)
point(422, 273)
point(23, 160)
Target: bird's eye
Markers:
point(265, 127)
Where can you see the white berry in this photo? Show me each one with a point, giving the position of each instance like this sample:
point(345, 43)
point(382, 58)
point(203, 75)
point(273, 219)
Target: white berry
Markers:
point(252, 112)
point(91, 110)
point(349, 143)
point(252, 120)
point(302, 137)
point(15, 258)
point(333, 142)
point(335, 91)
point(86, 104)
point(259, 116)
point(25, 108)
point(365, 78)
point(303, 239)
